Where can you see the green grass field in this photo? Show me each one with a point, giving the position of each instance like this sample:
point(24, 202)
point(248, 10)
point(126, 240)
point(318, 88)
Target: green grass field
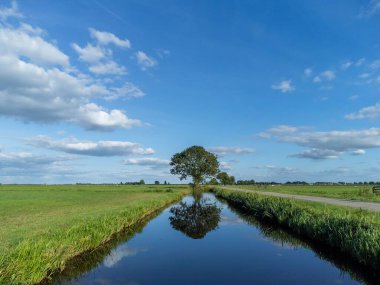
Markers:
point(42, 226)
point(363, 193)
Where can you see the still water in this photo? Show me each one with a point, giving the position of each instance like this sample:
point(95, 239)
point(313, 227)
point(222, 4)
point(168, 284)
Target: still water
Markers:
point(210, 243)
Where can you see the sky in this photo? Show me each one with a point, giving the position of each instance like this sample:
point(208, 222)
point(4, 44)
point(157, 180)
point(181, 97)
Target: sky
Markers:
point(96, 91)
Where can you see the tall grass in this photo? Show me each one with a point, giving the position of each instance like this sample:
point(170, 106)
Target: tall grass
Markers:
point(352, 232)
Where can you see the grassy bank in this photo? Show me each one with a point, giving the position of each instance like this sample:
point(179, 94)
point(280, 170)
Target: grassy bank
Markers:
point(355, 233)
point(350, 192)
point(41, 226)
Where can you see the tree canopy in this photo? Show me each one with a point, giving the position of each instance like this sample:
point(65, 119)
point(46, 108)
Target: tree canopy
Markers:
point(194, 162)
point(225, 179)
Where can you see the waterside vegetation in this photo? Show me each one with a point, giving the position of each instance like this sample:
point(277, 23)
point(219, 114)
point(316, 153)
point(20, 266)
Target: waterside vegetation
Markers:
point(355, 233)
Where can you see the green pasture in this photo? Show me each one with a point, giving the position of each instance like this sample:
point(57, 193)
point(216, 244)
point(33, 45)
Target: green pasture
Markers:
point(42, 226)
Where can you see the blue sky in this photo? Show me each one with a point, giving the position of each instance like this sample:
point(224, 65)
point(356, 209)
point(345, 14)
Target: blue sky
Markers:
point(106, 91)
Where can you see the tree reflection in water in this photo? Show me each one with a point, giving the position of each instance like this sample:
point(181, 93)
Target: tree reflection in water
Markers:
point(197, 219)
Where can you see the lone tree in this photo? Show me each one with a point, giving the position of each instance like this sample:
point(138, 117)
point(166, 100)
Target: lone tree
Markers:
point(195, 162)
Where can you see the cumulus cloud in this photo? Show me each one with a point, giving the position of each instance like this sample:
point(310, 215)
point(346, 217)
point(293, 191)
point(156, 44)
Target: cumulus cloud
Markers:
point(106, 38)
point(15, 42)
point(152, 162)
point(98, 56)
point(144, 60)
point(224, 150)
point(370, 112)
point(109, 67)
point(38, 83)
point(323, 145)
point(90, 53)
point(7, 12)
point(90, 148)
point(284, 86)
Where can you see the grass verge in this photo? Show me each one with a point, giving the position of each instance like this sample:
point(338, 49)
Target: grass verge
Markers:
point(349, 192)
point(355, 233)
point(42, 227)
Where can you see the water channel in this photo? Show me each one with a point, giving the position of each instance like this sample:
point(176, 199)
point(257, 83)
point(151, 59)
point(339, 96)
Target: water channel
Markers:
point(209, 242)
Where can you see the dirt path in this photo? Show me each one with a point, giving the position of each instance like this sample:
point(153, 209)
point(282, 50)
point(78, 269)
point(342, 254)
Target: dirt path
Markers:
point(372, 206)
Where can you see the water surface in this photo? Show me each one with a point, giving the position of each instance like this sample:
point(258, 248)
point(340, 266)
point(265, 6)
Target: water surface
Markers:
point(179, 247)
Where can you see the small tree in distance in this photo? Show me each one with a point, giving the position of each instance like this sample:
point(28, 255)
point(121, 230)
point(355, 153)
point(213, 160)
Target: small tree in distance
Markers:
point(194, 162)
point(225, 179)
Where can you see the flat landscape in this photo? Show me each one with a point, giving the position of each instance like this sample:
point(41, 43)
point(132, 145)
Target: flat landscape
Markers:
point(42, 226)
point(189, 142)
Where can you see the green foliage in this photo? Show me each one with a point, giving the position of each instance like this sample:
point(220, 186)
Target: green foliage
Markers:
point(195, 162)
point(225, 179)
point(43, 226)
point(213, 181)
point(353, 232)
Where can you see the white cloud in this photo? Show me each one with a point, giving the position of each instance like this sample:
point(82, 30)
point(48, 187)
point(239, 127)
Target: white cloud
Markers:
point(144, 60)
point(358, 152)
point(346, 65)
point(91, 53)
point(90, 148)
point(375, 64)
point(10, 12)
point(370, 112)
point(38, 84)
point(353, 97)
point(94, 117)
point(127, 91)
point(321, 145)
point(364, 75)
point(225, 166)
point(328, 75)
point(308, 72)
point(316, 153)
point(106, 38)
point(360, 61)
point(20, 41)
point(25, 159)
point(284, 86)
point(147, 161)
point(371, 9)
point(109, 67)
point(224, 150)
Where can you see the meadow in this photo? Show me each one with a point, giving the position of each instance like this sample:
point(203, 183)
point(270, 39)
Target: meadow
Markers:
point(349, 192)
point(353, 232)
point(43, 226)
